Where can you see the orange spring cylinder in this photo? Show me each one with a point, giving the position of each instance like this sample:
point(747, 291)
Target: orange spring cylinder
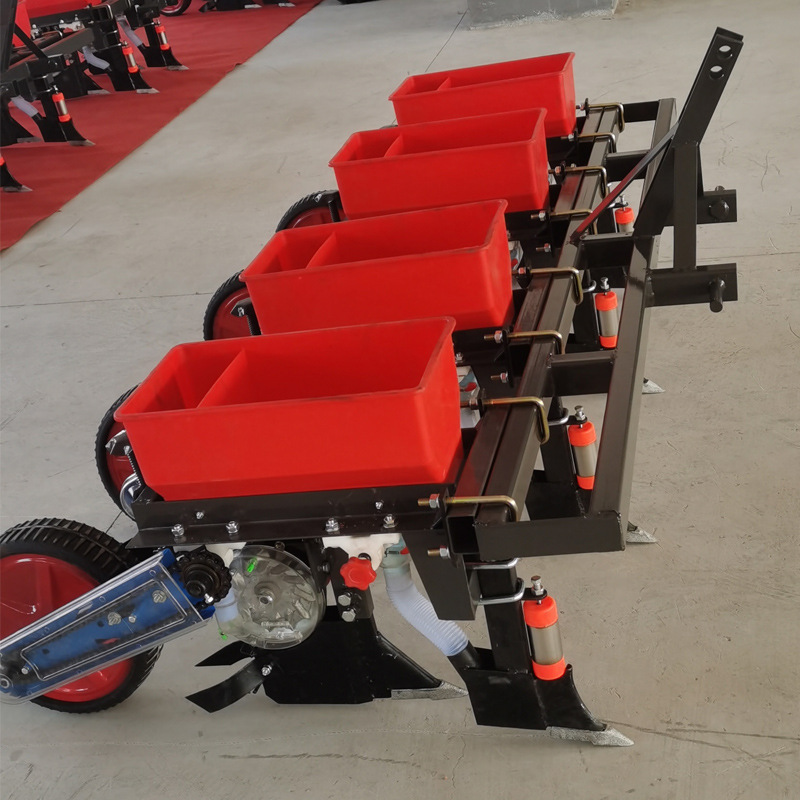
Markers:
point(541, 617)
point(162, 36)
point(608, 317)
point(61, 107)
point(127, 51)
point(583, 439)
point(624, 218)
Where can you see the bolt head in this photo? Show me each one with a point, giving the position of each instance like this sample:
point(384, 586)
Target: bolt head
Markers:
point(177, 531)
point(344, 600)
point(200, 515)
point(132, 619)
point(159, 596)
point(459, 358)
point(266, 670)
point(719, 210)
point(332, 526)
point(378, 505)
point(25, 670)
point(232, 527)
point(389, 521)
point(349, 615)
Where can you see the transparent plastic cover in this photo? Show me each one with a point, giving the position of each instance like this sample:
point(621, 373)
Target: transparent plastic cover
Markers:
point(139, 609)
point(274, 601)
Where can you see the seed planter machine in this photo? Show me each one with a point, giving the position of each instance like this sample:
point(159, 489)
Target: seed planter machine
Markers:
point(474, 262)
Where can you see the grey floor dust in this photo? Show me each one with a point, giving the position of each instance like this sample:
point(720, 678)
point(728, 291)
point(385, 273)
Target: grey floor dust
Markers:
point(690, 646)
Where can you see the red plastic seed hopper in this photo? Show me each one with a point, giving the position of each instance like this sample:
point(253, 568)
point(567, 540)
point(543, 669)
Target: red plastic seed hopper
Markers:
point(448, 261)
point(497, 156)
point(544, 82)
point(373, 405)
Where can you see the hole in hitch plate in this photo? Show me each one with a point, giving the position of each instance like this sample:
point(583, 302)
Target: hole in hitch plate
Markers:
point(716, 72)
point(725, 51)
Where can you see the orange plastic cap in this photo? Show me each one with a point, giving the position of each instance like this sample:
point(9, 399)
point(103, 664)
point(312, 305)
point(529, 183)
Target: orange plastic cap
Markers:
point(609, 342)
point(607, 301)
point(540, 615)
point(581, 435)
point(550, 672)
point(358, 573)
point(624, 216)
point(586, 483)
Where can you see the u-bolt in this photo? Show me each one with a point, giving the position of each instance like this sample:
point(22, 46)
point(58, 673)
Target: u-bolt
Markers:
point(554, 335)
point(601, 171)
point(544, 427)
point(511, 336)
point(587, 107)
point(434, 501)
point(595, 136)
point(558, 272)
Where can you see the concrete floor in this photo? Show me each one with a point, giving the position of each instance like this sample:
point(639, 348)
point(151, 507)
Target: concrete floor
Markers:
point(690, 646)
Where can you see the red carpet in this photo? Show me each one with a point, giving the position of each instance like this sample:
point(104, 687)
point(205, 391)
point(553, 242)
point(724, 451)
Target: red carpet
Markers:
point(211, 45)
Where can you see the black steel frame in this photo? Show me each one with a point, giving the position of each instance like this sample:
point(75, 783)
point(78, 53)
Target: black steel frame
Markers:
point(502, 451)
point(34, 77)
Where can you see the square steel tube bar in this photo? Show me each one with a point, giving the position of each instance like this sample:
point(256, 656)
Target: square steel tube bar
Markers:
point(541, 293)
point(604, 527)
point(519, 447)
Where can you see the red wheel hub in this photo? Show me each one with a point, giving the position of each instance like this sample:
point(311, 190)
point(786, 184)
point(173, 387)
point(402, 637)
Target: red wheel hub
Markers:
point(119, 467)
point(35, 585)
point(314, 216)
point(226, 326)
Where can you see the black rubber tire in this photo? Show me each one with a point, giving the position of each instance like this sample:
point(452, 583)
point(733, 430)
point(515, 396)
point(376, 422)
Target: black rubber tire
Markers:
point(232, 285)
point(308, 203)
point(176, 9)
point(100, 440)
point(99, 556)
